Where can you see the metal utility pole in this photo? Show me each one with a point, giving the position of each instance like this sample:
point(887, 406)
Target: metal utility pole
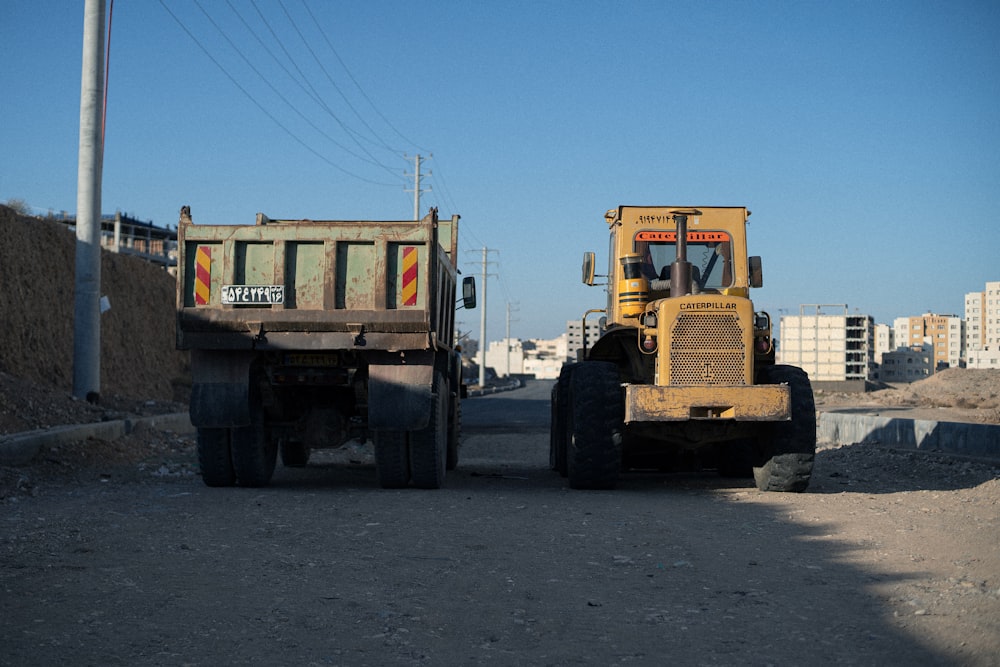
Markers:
point(508, 339)
point(416, 187)
point(482, 326)
point(481, 302)
point(87, 308)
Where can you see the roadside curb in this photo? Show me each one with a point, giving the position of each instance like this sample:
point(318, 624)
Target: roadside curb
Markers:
point(963, 439)
point(494, 389)
point(20, 448)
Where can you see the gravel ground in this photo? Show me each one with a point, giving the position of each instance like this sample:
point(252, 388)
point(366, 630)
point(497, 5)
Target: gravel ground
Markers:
point(917, 533)
point(115, 553)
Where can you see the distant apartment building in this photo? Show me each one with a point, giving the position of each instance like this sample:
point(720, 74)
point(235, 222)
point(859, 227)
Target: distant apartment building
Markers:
point(944, 333)
point(907, 364)
point(975, 332)
point(829, 347)
point(541, 358)
point(546, 358)
point(885, 341)
point(574, 333)
point(982, 327)
point(505, 357)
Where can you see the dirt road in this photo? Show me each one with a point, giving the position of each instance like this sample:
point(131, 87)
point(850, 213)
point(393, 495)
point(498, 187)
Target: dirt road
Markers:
point(889, 558)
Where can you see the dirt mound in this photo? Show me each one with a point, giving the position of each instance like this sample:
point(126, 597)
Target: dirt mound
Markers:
point(954, 394)
point(139, 362)
point(959, 388)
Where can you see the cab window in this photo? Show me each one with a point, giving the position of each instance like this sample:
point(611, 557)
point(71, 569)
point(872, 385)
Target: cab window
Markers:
point(710, 255)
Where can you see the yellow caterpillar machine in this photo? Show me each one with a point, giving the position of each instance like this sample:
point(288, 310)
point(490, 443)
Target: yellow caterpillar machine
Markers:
point(682, 374)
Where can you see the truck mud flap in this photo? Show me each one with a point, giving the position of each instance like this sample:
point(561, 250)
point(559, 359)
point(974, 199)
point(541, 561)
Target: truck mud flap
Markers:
point(220, 390)
point(399, 390)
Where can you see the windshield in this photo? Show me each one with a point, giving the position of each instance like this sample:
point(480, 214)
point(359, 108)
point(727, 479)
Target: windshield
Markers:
point(710, 254)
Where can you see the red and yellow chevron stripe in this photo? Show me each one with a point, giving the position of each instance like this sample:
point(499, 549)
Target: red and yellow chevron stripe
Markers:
point(203, 275)
point(409, 276)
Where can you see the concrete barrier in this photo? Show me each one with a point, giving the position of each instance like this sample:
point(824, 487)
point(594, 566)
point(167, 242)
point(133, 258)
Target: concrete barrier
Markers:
point(975, 440)
point(21, 448)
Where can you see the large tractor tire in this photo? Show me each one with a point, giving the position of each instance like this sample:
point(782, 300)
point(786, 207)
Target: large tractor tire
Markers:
point(557, 429)
point(392, 459)
point(429, 445)
point(215, 457)
point(786, 450)
point(255, 453)
point(595, 425)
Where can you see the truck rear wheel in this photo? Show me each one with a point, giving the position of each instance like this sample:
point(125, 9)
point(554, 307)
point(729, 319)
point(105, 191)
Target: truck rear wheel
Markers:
point(392, 459)
point(787, 449)
point(215, 457)
point(594, 425)
point(429, 445)
point(254, 452)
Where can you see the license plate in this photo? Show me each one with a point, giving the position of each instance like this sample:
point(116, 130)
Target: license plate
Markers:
point(315, 359)
point(253, 294)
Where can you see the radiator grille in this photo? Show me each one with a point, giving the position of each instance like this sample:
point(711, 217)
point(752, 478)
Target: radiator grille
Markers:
point(707, 349)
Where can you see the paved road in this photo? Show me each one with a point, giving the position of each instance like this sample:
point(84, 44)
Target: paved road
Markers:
point(505, 566)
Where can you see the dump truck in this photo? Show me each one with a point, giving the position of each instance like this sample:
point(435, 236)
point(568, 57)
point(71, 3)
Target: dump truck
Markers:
point(682, 373)
point(307, 334)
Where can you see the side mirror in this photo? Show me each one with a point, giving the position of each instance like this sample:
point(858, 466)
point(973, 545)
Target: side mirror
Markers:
point(469, 292)
point(756, 271)
point(588, 268)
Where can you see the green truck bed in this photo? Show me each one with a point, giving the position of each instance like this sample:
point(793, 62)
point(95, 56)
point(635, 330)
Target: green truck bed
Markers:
point(316, 284)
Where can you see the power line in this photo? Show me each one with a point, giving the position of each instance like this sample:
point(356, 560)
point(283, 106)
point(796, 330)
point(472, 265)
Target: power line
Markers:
point(330, 78)
point(305, 42)
point(263, 109)
point(358, 85)
point(274, 89)
point(301, 80)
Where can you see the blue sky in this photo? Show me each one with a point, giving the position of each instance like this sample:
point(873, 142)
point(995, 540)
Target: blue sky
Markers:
point(864, 136)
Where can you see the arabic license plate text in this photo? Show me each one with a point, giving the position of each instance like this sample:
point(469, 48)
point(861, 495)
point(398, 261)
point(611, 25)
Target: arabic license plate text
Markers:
point(253, 294)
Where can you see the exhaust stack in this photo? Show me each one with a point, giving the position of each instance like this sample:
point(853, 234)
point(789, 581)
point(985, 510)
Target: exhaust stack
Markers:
point(680, 270)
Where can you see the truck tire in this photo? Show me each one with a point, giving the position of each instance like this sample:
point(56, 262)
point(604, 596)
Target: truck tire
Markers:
point(557, 429)
point(254, 452)
point(429, 445)
point(786, 449)
point(392, 459)
point(595, 422)
point(215, 457)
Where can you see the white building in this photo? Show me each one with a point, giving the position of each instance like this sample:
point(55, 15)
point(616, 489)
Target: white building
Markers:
point(547, 358)
point(982, 330)
point(885, 341)
point(506, 356)
point(538, 357)
point(828, 347)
